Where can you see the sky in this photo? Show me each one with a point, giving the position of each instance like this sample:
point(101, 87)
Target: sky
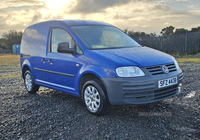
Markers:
point(138, 15)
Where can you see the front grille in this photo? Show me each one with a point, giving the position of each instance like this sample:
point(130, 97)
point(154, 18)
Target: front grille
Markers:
point(156, 70)
point(151, 96)
point(138, 87)
point(166, 92)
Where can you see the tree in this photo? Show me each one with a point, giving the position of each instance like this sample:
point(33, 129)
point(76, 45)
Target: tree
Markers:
point(2, 47)
point(126, 30)
point(12, 37)
point(136, 34)
point(3, 42)
point(195, 29)
point(142, 34)
point(168, 30)
point(152, 34)
point(181, 31)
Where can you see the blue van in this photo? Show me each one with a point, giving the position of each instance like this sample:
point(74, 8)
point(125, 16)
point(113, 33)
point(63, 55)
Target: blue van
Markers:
point(97, 62)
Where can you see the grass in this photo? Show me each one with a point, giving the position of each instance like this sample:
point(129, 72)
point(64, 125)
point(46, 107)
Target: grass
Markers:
point(185, 60)
point(9, 59)
point(10, 76)
point(9, 66)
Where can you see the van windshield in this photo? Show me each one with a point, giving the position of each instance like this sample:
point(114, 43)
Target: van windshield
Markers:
point(103, 37)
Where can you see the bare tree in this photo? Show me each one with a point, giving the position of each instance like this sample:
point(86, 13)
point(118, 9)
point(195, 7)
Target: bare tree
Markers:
point(12, 37)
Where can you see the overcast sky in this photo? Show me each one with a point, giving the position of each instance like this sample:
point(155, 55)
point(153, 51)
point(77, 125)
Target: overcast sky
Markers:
point(138, 15)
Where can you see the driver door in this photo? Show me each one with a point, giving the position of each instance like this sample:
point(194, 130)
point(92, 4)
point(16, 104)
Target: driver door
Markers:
point(61, 66)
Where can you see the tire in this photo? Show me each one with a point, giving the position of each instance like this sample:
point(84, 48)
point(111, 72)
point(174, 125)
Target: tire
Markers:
point(95, 98)
point(29, 83)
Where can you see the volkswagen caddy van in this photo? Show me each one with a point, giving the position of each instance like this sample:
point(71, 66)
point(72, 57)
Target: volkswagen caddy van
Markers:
point(97, 62)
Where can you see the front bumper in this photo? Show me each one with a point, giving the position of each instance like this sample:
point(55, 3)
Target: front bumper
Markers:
point(141, 90)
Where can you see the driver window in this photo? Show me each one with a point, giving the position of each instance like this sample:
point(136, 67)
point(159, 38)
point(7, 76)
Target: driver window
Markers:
point(58, 36)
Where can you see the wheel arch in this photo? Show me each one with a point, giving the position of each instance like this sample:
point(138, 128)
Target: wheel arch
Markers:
point(24, 70)
point(26, 66)
point(90, 76)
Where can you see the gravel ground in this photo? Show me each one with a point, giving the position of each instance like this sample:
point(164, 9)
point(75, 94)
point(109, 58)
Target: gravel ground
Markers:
point(50, 114)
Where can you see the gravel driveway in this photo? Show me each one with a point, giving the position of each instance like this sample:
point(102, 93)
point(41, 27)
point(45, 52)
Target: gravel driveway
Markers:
point(50, 114)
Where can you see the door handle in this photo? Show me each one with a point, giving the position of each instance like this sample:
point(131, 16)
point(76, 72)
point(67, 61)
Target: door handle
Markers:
point(50, 61)
point(43, 60)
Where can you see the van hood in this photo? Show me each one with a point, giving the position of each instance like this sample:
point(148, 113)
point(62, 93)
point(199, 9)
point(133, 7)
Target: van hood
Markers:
point(136, 56)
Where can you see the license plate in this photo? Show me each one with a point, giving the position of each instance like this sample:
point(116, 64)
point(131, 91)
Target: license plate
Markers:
point(167, 82)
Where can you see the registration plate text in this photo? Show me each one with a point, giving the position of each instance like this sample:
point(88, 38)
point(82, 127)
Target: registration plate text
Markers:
point(167, 82)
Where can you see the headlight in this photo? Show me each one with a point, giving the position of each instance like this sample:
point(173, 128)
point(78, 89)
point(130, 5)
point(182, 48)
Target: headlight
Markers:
point(129, 71)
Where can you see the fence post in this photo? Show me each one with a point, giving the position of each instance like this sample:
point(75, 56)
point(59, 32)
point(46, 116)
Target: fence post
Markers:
point(186, 42)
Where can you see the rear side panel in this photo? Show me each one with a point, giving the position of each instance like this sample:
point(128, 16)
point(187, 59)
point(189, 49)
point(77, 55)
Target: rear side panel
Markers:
point(27, 46)
point(40, 37)
point(33, 47)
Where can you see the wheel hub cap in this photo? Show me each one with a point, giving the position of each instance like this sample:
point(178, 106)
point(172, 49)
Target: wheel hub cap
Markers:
point(92, 98)
point(28, 82)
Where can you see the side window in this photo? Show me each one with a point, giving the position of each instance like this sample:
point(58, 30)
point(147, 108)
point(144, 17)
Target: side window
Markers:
point(78, 50)
point(58, 36)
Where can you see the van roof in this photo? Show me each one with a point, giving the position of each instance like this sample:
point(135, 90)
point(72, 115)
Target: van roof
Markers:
point(77, 22)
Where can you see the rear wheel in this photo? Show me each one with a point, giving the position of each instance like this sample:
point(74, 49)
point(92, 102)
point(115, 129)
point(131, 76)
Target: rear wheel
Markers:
point(95, 98)
point(30, 85)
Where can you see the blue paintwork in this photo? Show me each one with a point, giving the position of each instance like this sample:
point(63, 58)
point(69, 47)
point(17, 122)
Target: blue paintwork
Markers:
point(136, 56)
point(101, 63)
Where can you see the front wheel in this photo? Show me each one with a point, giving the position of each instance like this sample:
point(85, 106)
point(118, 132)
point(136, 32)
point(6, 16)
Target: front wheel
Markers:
point(30, 85)
point(95, 98)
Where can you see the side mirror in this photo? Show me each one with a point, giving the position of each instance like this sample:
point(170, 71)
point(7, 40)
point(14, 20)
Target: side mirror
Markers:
point(63, 47)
